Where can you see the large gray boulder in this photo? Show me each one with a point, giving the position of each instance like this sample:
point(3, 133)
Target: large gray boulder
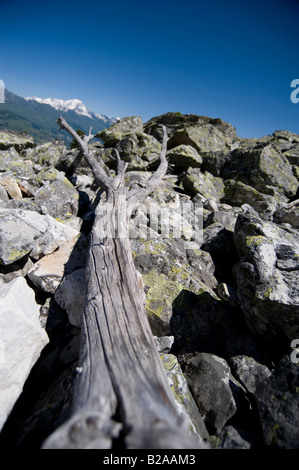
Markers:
point(18, 140)
point(27, 232)
point(213, 387)
point(21, 341)
point(264, 168)
point(277, 399)
point(267, 277)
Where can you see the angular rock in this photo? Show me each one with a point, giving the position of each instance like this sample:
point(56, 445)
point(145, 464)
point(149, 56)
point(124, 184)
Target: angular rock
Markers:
point(211, 384)
point(47, 154)
point(12, 187)
point(286, 215)
point(58, 198)
point(127, 124)
point(183, 157)
point(202, 132)
point(232, 438)
point(22, 340)
point(48, 272)
point(278, 404)
point(267, 277)
point(183, 398)
point(140, 150)
point(194, 181)
point(201, 322)
point(23, 232)
point(248, 371)
point(263, 168)
point(18, 140)
point(71, 296)
point(238, 193)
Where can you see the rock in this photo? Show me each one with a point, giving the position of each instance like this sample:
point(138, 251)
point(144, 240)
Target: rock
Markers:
point(12, 187)
point(183, 398)
point(218, 241)
point(267, 278)
point(249, 372)
point(201, 322)
point(199, 131)
point(126, 124)
point(18, 140)
point(211, 384)
point(140, 150)
point(238, 193)
point(22, 340)
point(58, 198)
point(26, 232)
point(71, 296)
point(232, 438)
point(46, 155)
point(286, 215)
point(263, 168)
point(194, 181)
point(277, 399)
point(164, 343)
point(183, 157)
point(48, 272)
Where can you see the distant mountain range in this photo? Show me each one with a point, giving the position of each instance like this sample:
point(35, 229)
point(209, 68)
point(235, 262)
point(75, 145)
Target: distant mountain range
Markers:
point(38, 116)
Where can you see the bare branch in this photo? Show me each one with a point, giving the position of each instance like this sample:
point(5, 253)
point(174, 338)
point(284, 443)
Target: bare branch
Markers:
point(88, 137)
point(99, 174)
point(140, 194)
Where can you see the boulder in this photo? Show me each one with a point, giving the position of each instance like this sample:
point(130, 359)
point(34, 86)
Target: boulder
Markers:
point(47, 154)
point(238, 193)
point(70, 295)
point(126, 124)
point(201, 322)
point(12, 188)
point(267, 277)
point(140, 150)
point(26, 232)
point(194, 181)
point(18, 140)
point(22, 340)
point(183, 398)
point(264, 168)
point(202, 132)
point(277, 399)
point(48, 272)
point(184, 156)
point(248, 371)
point(57, 197)
point(212, 386)
point(286, 215)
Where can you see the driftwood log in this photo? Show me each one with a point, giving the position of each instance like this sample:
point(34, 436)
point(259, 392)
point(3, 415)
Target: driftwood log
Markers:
point(122, 397)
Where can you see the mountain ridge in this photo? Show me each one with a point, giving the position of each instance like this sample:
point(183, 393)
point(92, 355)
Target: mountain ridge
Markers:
point(38, 119)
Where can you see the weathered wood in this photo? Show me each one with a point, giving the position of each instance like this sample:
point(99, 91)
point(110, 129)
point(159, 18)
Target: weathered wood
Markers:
point(122, 392)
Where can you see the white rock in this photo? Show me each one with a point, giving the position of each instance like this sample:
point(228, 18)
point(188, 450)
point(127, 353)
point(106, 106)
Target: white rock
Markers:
point(24, 231)
point(21, 341)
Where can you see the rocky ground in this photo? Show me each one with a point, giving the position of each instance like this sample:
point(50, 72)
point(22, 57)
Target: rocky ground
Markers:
point(220, 276)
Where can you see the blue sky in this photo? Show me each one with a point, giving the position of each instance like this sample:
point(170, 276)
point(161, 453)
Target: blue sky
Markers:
point(229, 59)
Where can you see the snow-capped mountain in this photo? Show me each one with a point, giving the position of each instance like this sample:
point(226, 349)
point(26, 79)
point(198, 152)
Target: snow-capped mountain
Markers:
point(38, 117)
point(72, 105)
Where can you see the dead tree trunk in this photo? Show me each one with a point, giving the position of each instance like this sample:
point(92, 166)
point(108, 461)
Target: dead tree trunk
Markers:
point(121, 392)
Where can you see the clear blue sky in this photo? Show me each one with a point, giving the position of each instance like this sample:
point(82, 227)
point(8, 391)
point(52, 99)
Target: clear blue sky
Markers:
point(220, 58)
